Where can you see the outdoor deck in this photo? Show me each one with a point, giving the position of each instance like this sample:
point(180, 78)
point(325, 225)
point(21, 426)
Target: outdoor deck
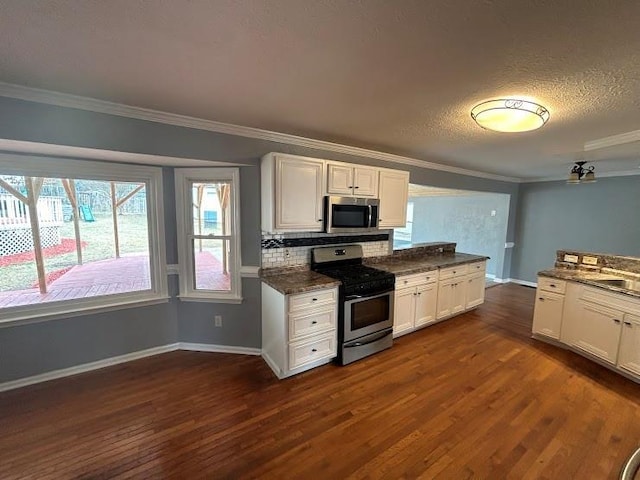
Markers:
point(108, 277)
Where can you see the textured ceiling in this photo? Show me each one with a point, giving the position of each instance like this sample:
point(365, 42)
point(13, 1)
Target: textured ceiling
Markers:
point(396, 76)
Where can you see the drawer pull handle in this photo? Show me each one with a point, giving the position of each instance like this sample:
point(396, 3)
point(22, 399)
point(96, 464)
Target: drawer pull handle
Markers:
point(628, 324)
point(356, 187)
point(314, 322)
point(314, 299)
point(313, 350)
point(616, 320)
point(541, 299)
point(552, 285)
point(419, 293)
point(406, 281)
point(454, 271)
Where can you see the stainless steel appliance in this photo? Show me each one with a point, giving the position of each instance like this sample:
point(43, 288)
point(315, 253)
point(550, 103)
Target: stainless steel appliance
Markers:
point(365, 315)
point(351, 214)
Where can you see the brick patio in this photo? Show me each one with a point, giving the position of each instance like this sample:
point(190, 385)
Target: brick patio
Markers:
point(108, 277)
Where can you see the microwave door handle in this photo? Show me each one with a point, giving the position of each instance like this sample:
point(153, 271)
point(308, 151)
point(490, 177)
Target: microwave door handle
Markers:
point(370, 216)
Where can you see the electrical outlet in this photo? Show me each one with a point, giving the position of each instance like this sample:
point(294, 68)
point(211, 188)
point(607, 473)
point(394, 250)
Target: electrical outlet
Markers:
point(590, 260)
point(287, 253)
point(218, 320)
point(571, 258)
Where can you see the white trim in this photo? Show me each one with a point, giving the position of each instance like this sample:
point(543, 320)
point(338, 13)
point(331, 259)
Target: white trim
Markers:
point(620, 139)
point(184, 227)
point(522, 282)
point(209, 347)
point(37, 148)
point(84, 169)
point(100, 106)
point(272, 365)
point(250, 271)
point(87, 367)
point(622, 173)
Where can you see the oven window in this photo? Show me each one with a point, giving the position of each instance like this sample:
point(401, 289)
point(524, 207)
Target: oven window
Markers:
point(369, 312)
point(350, 216)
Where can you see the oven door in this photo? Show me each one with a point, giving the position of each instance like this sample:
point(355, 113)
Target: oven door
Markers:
point(367, 314)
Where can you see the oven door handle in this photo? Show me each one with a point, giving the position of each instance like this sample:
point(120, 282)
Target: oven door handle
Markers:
point(351, 298)
point(382, 334)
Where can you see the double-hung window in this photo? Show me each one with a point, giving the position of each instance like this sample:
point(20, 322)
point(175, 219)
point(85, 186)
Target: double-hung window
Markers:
point(78, 236)
point(208, 213)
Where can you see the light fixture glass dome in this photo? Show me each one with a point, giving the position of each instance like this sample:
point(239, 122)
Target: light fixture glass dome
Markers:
point(510, 115)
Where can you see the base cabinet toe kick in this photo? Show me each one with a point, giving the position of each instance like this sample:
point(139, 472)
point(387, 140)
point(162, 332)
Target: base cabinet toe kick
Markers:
point(601, 325)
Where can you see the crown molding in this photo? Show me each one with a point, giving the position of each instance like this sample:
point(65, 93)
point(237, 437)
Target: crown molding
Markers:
point(612, 141)
point(623, 173)
point(50, 149)
point(100, 106)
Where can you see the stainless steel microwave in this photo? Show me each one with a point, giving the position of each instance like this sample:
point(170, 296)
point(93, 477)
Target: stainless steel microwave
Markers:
point(350, 214)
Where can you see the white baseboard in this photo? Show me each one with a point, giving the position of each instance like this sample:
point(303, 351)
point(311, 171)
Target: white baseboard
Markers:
point(128, 357)
point(522, 282)
point(267, 359)
point(208, 347)
point(86, 367)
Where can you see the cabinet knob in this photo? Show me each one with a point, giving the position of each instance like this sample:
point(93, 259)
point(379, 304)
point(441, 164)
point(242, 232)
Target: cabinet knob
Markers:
point(319, 219)
point(552, 285)
point(356, 187)
point(314, 322)
point(314, 350)
point(541, 299)
point(314, 299)
point(616, 320)
point(628, 324)
point(406, 281)
point(419, 293)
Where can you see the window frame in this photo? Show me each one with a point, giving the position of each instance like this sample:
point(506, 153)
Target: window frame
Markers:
point(184, 178)
point(52, 167)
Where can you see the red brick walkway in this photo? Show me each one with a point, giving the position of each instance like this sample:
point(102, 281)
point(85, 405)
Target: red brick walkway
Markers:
point(108, 277)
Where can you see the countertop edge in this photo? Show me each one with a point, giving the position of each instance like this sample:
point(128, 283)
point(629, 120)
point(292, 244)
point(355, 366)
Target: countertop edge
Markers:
point(589, 282)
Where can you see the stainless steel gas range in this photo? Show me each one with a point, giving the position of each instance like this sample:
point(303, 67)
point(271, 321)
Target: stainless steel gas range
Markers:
point(365, 310)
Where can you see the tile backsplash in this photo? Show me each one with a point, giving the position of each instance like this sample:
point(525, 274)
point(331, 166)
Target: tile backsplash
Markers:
point(294, 249)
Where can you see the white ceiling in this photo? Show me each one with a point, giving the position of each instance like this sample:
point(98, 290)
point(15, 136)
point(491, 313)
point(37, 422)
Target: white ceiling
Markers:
point(395, 76)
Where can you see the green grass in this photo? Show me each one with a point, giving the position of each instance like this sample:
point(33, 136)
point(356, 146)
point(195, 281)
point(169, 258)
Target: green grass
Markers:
point(98, 235)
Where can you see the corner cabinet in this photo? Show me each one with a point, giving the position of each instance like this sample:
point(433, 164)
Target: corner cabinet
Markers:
point(347, 180)
point(599, 324)
point(298, 331)
point(393, 192)
point(292, 193)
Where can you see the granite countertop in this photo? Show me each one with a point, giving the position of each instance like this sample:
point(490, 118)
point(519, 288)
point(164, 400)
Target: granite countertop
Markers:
point(290, 281)
point(402, 265)
point(591, 278)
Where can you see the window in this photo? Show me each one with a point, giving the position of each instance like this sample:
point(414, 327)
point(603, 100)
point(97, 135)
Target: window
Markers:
point(402, 236)
point(208, 234)
point(78, 235)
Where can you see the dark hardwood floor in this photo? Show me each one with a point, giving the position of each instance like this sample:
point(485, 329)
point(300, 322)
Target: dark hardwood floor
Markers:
point(473, 397)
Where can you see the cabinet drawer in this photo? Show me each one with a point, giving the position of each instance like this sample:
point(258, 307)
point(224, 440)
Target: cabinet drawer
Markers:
point(453, 272)
point(315, 348)
point(304, 324)
point(477, 267)
point(551, 284)
point(308, 300)
point(417, 279)
point(610, 299)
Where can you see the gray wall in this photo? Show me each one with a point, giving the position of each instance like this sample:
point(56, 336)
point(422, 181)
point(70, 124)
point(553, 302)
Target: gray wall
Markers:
point(136, 329)
point(466, 220)
point(602, 217)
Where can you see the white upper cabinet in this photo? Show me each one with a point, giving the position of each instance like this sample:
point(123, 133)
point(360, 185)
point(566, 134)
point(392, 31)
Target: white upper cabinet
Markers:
point(347, 180)
point(393, 192)
point(292, 193)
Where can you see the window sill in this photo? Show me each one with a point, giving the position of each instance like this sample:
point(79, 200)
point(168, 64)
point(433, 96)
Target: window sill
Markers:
point(210, 299)
point(73, 309)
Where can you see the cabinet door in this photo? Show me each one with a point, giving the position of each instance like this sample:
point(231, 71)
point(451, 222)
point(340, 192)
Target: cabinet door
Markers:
point(599, 332)
point(475, 290)
point(299, 193)
point(339, 180)
point(547, 316)
point(629, 354)
point(426, 304)
point(393, 192)
point(445, 298)
point(459, 296)
point(404, 310)
point(365, 183)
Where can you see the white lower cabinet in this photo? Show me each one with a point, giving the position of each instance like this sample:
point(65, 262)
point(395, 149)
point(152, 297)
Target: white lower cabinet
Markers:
point(629, 353)
point(603, 325)
point(404, 310)
point(476, 286)
point(452, 291)
point(547, 317)
point(298, 331)
point(426, 303)
point(599, 332)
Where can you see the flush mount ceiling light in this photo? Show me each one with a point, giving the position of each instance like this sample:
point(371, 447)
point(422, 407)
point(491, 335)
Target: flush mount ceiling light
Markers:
point(509, 115)
point(580, 174)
